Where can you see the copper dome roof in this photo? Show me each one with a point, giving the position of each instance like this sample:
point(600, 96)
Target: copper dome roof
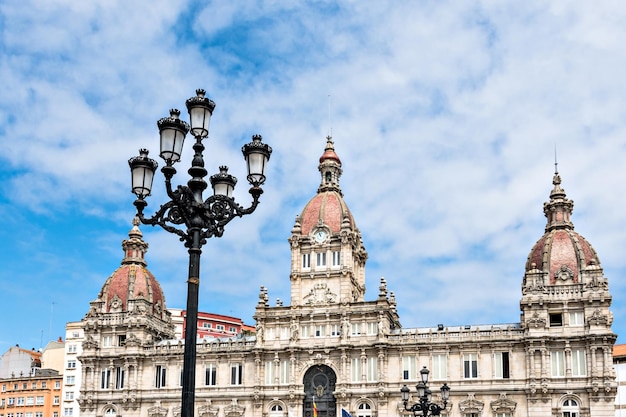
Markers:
point(132, 280)
point(561, 250)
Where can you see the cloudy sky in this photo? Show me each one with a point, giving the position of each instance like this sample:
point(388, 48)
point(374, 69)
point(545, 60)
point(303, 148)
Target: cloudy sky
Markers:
point(446, 116)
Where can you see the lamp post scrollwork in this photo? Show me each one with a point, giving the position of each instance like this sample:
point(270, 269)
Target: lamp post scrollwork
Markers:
point(424, 407)
point(189, 215)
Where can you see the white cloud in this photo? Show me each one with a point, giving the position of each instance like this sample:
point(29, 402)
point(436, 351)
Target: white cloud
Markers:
point(445, 116)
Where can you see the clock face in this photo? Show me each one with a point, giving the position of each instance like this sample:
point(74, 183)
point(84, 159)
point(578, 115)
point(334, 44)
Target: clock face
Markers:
point(320, 236)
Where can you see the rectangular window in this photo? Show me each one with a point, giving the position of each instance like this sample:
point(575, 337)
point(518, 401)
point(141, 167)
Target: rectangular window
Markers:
point(355, 370)
point(71, 364)
point(269, 373)
point(409, 368)
point(321, 259)
point(334, 330)
point(206, 325)
point(57, 384)
point(501, 364)
point(56, 400)
point(372, 369)
point(220, 327)
point(107, 341)
point(20, 400)
point(284, 371)
point(159, 376)
point(69, 395)
point(39, 400)
point(39, 414)
point(55, 414)
point(44, 384)
point(440, 367)
point(28, 414)
point(556, 319)
point(33, 385)
point(320, 330)
point(11, 401)
point(71, 349)
point(4, 387)
point(576, 318)
point(470, 365)
point(579, 363)
point(105, 379)
point(336, 258)
point(119, 377)
point(372, 328)
point(121, 340)
point(355, 329)
point(557, 363)
point(306, 260)
point(68, 411)
point(305, 331)
point(70, 380)
point(30, 400)
point(210, 375)
point(236, 374)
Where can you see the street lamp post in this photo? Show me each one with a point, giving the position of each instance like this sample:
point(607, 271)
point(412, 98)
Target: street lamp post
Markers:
point(424, 406)
point(198, 217)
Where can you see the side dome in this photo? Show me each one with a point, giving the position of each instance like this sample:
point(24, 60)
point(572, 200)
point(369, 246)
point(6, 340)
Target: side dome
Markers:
point(132, 287)
point(561, 253)
point(327, 208)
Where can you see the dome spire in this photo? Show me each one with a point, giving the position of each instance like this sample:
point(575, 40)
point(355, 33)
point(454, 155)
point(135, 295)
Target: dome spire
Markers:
point(330, 168)
point(134, 247)
point(559, 209)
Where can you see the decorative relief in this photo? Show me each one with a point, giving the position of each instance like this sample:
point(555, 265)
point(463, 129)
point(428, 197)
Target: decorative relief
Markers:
point(234, 409)
point(503, 405)
point(208, 410)
point(597, 318)
point(320, 294)
point(157, 410)
point(471, 405)
point(536, 321)
point(564, 274)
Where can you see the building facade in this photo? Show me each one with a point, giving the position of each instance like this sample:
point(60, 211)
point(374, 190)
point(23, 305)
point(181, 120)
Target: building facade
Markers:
point(36, 395)
point(332, 349)
point(210, 325)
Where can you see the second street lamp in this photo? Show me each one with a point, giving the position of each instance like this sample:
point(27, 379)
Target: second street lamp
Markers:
point(424, 406)
point(188, 214)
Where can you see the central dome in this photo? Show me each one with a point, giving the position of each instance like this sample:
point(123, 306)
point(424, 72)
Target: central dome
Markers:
point(327, 208)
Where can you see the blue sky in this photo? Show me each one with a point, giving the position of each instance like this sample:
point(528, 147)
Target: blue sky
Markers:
point(445, 114)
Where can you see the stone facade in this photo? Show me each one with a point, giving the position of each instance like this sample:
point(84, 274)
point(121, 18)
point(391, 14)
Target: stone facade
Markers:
point(332, 349)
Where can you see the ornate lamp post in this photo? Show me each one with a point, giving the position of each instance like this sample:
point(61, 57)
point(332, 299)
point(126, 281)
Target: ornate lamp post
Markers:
point(198, 217)
point(424, 406)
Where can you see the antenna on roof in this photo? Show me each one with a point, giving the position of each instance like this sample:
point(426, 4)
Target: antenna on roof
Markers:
point(556, 164)
point(330, 125)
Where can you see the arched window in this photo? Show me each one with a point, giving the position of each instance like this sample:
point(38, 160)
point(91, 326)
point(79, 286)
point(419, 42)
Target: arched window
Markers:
point(276, 411)
point(364, 410)
point(110, 412)
point(570, 408)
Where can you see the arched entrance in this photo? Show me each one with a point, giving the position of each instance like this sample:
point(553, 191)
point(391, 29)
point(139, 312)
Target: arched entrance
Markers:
point(319, 385)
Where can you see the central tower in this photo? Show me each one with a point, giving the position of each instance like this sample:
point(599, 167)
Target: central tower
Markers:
point(327, 253)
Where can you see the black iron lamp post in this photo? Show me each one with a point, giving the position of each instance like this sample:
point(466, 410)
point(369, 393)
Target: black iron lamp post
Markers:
point(198, 218)
point(423, 407)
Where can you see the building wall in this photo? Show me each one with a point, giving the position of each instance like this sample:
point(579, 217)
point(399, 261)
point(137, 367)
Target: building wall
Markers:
point(38, 396)
point(18, 362)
